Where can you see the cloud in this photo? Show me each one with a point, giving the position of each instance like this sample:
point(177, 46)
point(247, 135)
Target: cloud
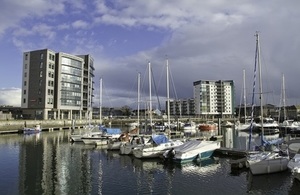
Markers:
point(14, 11)
point(10, 96)
point(80, 24)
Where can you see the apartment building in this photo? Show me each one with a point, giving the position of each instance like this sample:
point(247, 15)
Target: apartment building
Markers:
point(183, 107)
point(57, 85)
point(214, 98)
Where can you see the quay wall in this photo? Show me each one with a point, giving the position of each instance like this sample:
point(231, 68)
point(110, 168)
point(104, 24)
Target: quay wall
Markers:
point(14, 125)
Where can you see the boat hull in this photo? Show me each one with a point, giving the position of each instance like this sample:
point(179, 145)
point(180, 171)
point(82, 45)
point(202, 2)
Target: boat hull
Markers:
point(267, 165)
point(198, 150)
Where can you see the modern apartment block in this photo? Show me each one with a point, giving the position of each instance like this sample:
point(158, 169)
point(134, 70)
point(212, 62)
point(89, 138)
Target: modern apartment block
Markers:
point(214, 98)
point(57, 85)
point(184, 107)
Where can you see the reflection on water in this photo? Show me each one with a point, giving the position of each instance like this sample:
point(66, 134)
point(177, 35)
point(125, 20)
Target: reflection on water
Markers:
point(47, 163)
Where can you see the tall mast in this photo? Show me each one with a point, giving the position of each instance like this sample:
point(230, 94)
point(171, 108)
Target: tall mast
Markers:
point(150, 95)
point(283, 98)
point(168, 94)
point(100, 102)
point(244, 84)
point(138, 101)
point(260, 84)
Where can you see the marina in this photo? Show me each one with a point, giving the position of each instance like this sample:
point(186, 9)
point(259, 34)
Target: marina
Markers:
point(48, 163)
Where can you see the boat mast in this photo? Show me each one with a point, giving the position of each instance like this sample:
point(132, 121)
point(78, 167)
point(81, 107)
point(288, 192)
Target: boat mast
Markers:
point(100, 102)
point(283, 98)
point(168, 95)
point(138, 102)
point(260, 85)
point(244, 84)
point(150, 101)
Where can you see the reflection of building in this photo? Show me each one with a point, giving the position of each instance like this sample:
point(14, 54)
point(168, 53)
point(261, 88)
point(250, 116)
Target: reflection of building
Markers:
point(56, 85)
point(214, 98)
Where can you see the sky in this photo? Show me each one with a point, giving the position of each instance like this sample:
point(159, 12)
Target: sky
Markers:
point(202, 40)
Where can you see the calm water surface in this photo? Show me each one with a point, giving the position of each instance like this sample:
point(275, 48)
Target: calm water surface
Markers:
point(47, 163)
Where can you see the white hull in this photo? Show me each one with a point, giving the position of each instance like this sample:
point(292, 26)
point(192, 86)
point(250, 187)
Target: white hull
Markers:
point(78, 137)
point(136, 141)
point(101, 142)
point(127, 148)
point(195, 149)
point(114, 145)
point(267, 162)
point(243, 126)
point(150, 151)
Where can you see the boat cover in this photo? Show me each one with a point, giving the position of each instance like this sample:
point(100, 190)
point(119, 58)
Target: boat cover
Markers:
point(112, 131)
point(191, 145)
point(159, 139)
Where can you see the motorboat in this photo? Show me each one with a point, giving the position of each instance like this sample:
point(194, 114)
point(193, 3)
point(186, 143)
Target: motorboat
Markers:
point(135, 141)
point(189, 128)
point(115, 143)
point(155, 147)
point(101, 139)
point(36, 129)
point(191, 151)
point(208, 126)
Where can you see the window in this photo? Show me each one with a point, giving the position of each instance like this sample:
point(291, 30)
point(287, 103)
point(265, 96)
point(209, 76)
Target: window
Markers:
point(26, 56)
point(40, 82)
point(25, 74)
point(24, 100)
point(25, 66)
point(25, 83)
point(24, 92)
point(42, 56)
point(41, 73)
point(41, 64)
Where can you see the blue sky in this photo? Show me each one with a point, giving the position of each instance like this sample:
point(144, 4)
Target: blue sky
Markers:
point(204, 40)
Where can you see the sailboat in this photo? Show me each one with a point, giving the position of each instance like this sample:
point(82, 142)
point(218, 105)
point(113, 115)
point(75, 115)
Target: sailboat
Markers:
point(106, 133)
point(158, 144)
point(288, 125)
point(245, 125)
point(264, 162)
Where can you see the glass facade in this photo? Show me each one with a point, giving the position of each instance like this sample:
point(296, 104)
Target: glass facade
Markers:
point(71, 78)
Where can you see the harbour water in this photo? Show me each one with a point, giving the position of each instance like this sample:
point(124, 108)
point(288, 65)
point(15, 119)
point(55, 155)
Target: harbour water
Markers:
point(47, 163)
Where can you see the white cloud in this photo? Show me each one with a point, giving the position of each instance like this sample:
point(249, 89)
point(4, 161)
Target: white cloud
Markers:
point(11, 97)
point(79, 24)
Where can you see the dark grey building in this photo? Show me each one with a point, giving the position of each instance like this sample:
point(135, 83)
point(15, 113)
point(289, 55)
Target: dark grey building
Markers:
point(57, 85)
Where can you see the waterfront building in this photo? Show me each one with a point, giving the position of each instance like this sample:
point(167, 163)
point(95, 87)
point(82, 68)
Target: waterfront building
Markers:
point(57, 85)
point(214, 98)
point(182, 107)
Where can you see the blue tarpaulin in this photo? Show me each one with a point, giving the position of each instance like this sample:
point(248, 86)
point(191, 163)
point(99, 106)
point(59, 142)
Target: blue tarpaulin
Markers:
point(159, 139)
point(112, 131)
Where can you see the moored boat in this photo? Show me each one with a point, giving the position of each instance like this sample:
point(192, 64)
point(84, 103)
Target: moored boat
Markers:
point(159, 144)
point(36, 129)
point(208, 126)
point(192, 150)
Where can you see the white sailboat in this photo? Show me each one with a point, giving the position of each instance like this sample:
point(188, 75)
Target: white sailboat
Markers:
point(159, 143)
point(245, 124)
point(106, 133)
point(265, 162)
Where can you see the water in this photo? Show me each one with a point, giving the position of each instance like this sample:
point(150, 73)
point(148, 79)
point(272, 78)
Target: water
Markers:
point(47, 163)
